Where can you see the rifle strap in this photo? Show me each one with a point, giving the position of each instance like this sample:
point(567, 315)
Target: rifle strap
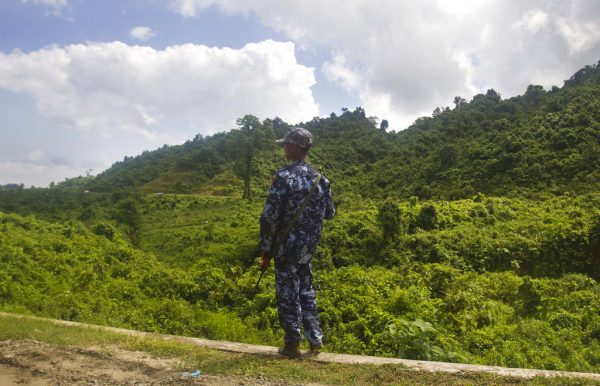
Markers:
point(283, 235)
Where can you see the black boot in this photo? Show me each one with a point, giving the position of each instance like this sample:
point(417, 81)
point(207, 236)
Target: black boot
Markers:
point(315, 348)
point(290, 350)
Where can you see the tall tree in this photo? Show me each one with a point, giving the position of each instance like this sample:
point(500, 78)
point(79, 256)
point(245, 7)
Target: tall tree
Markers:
point(252, 138)
point(384, 125)
point(128, 213)
point(390, 221)
point(459, 101)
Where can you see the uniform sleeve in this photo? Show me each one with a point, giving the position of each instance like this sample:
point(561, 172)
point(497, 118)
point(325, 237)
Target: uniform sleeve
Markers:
point(329, 207)
point(270, 218)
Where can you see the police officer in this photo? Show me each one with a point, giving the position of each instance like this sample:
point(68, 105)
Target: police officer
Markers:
point(291, 185)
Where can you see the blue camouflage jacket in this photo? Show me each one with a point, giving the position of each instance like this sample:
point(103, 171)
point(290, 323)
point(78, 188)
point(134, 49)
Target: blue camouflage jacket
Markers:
point(290, 186)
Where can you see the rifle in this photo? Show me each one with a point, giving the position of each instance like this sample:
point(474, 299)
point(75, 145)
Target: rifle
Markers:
point(262, 272)
point(274, 247)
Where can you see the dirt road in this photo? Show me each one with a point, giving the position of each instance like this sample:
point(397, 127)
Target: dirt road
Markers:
point(39, 364)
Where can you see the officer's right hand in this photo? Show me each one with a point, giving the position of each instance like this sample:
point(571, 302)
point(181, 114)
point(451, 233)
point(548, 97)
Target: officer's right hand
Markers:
point(264, 260)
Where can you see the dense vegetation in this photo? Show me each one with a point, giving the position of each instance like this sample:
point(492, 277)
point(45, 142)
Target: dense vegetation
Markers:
point(465, 285)
point(472, 236)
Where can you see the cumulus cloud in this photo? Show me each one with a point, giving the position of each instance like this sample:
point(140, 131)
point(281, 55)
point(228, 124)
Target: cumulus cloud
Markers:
point(162, 96)
point(339, 71)
point(142, 33)
point(403, 58)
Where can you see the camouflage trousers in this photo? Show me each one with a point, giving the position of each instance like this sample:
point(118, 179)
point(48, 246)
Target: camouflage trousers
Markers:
point(297, 303)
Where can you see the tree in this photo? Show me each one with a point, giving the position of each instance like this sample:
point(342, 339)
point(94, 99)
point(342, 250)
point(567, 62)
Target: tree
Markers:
point(390, 221)
point(535, 94)
point(280, 128)
point(583, 74)
point(447, 156)
point(491, 94)
point(251, 138)
point(459, 101)
point(384, 125)
point(427, 218)
point(128, 214)
point(594, 242)
point(359, 112)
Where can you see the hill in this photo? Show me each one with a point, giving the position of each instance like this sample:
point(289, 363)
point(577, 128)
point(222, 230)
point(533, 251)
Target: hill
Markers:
point(492, 280)
point(472, 237)
point(540, 142)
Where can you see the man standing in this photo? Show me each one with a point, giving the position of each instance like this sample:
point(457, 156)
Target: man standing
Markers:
point(291, 186)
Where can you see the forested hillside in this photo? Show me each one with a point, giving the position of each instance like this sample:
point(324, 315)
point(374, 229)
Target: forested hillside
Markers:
point(489, 280)
point(472, 236)
point(537, 143)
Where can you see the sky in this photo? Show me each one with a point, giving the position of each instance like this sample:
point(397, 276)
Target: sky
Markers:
point(85, 83)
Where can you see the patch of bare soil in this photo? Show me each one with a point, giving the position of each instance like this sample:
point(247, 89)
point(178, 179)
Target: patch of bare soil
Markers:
point(39, 364)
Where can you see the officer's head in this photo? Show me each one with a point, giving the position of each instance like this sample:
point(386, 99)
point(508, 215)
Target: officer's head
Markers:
point(296, 143)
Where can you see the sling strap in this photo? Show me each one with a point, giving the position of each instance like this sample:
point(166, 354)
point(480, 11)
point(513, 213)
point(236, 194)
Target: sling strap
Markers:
point(283, 235)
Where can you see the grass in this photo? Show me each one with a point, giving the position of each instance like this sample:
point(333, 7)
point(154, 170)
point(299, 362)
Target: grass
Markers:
point(232, 364)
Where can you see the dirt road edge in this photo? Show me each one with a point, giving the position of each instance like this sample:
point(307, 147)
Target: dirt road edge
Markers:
point(418, 365)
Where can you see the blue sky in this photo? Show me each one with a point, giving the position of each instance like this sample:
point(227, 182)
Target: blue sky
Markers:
point(84, 83)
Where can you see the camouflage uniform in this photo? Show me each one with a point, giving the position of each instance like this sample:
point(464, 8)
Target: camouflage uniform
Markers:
point(293, 277)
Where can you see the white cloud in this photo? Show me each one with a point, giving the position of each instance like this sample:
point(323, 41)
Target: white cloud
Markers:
point(51, 3)
point(533, 21)
point(142, 33)
point(57, 6)
point(186, 8)
point(404, 57)
point(162, 96)
point(462, 8)
point(581, 36)
point(105, 100)
point(34, 173)
point(35, 155)
point(339, 71)
point(190, 8)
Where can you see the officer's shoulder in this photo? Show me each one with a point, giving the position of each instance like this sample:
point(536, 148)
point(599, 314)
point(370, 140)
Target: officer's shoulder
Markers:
point(283, 172)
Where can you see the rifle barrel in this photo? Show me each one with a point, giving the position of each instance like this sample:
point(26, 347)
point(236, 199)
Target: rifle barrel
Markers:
point(262, 272)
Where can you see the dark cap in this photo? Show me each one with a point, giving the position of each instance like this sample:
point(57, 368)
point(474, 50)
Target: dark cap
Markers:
point(298, 136)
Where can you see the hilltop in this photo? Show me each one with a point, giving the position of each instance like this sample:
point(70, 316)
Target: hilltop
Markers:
point(545, 141)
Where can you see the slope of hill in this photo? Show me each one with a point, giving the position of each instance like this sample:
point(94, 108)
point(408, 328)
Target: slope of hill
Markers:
point(506, 276)
point(468, 281)
point(540, 142)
